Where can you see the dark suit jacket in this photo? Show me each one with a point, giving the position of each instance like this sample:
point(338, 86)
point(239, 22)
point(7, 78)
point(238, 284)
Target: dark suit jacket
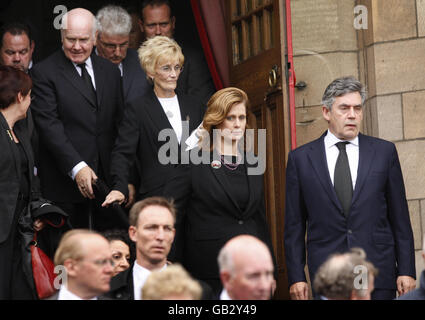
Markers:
point(378, 220)
point(122, 287)
point(195, 79)
point(72, 126)
point(208, 216)
point(139, 131)
point(10, 173)
point(134, 80)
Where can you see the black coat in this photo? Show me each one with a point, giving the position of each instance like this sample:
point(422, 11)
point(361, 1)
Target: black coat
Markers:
point(72, 126)
point(10, 178)
point(208, 215)
point(143, 121)
point(134, 80)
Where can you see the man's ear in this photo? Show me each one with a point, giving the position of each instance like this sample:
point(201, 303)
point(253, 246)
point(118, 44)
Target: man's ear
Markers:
point(95, 37)
point(132, 230)
point(70, 266)
point(225, 278)
point(325, 113)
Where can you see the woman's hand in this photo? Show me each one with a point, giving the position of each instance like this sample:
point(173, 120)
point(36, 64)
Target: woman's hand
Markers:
point(113, 196)
point(38, 225)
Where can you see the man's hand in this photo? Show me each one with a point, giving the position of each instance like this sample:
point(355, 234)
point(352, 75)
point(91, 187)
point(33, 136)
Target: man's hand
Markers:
point(84, 179)
point(299, 291)
point(405, 284)
point(113, 196)
point(131, 195)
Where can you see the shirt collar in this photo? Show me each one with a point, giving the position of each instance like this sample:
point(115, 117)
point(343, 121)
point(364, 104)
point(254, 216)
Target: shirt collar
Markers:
point(224, 295)
point(331, 140)
point(65, 294)
point(141, 272)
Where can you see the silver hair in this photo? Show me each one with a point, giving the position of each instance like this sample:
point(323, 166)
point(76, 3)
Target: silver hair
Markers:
point(340, 87)
point(113, 20)
point(64, 24)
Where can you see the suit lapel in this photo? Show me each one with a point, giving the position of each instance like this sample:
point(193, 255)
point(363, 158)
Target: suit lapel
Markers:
point(317, 156)
point(127, 77)
point(366, 155)
point(25, 143)
point(13, 150)
point(99, 78)
point(71, 74)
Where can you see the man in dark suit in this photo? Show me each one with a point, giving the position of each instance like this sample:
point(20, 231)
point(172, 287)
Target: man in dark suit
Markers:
point(112, 41)
point(78, 104)
point(157, 18)
point(346, 189)
point(152, 229)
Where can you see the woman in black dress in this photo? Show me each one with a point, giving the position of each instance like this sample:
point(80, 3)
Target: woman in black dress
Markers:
point(218, 195)
point(16, 181)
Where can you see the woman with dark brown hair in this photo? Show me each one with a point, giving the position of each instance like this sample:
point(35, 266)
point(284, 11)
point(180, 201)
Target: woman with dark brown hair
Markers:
point(218, 196)
point(17, 183)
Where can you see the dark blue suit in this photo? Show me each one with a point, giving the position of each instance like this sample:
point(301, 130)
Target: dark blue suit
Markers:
point(378, 220)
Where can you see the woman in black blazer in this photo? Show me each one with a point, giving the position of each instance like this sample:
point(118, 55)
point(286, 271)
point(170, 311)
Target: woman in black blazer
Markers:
point(222, 196)
point(16, 181)
point(155, 125)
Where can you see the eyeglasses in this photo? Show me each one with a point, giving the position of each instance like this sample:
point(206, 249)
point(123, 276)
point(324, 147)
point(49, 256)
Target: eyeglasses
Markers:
point(168, 69)
point(102, 262)
point(113, 46)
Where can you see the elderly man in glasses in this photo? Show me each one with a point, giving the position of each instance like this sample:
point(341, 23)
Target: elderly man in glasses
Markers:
point(112, 43)
point(87, 259)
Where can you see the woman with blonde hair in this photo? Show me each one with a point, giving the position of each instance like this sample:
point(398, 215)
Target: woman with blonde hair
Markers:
point(155, 125)
point(219, 198)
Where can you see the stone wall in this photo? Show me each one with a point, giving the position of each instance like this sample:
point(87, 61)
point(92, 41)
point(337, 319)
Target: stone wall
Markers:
point(389, 57)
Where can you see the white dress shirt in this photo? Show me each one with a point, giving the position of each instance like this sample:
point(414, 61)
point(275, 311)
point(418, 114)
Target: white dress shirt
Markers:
point(89, 68)
point(332, 153)
point(172, 110)
point(140, 275)
point(224, 295)
point(65, 294)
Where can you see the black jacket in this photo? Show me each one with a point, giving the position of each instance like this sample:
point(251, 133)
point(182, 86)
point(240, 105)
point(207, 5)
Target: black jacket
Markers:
point(72, 126)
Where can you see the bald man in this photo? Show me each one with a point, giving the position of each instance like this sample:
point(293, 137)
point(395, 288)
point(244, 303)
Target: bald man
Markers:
point(78, 104)
point(246, 269)
point(87, 259)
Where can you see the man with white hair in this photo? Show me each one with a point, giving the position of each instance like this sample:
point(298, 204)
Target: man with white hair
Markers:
point(246, 269)
point(347, 276)
point(419, 293)
point(77, 109)
point(112, 41)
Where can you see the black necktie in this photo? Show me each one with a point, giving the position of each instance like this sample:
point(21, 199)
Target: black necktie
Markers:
point(342, 179)
point(87, 80)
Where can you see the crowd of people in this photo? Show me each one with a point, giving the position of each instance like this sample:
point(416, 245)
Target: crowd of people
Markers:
point(96, 170)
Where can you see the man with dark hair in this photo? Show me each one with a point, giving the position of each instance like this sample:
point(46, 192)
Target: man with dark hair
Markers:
point(78, 105)
point(152, 229)
point(157, 18)
point(347, 276)
point(346, 190)
point(16, 46)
